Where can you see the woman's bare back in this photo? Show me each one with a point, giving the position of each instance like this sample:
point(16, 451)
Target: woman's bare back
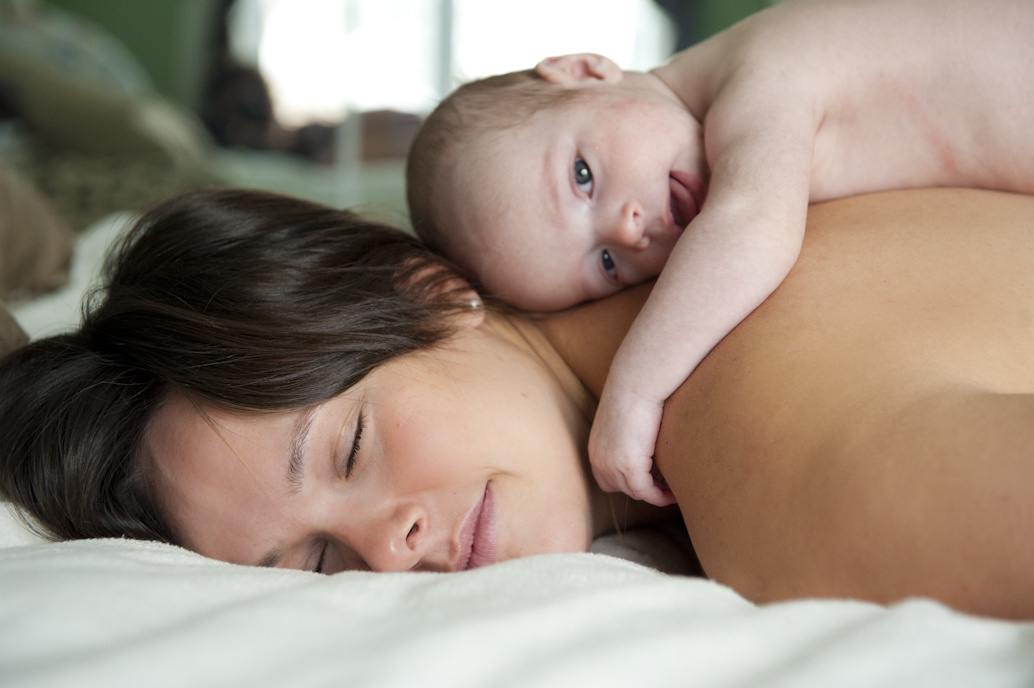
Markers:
point(869, 430)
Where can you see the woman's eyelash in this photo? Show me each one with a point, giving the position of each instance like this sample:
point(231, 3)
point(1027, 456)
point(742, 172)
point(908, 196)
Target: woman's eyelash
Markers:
point(322, 559)
point(360, 424)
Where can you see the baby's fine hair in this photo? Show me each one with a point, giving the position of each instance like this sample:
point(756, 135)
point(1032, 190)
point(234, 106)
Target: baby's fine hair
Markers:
point(240, 299)
point(489, 106)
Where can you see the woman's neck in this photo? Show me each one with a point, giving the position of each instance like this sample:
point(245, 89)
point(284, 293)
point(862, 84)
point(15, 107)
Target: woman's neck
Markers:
point(587, 337)
point(611, 512)
point(528, 336)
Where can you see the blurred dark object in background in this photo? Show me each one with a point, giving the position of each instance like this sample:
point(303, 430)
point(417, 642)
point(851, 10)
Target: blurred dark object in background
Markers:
point(696, 20)
point(238, 112)
point(687, 15)
point(237, 108)
point(386, 134)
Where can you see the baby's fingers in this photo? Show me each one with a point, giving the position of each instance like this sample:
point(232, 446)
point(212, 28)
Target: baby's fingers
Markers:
point(643, 487)
point(610, 481)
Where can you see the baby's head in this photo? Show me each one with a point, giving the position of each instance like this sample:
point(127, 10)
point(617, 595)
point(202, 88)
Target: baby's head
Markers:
point(560, 184)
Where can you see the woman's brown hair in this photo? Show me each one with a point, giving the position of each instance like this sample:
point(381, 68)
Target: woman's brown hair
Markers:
point(242, 299)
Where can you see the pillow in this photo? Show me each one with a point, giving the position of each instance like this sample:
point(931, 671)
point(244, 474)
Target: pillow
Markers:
point(11, 335)
point(35, 245)
point(79, 89)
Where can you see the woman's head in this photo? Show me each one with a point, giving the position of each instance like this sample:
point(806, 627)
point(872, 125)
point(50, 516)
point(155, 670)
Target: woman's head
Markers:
point(239, 339)
point(442, 459)
point(239, 299)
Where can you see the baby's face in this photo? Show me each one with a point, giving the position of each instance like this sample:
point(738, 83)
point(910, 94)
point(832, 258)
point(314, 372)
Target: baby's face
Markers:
point(582, 200)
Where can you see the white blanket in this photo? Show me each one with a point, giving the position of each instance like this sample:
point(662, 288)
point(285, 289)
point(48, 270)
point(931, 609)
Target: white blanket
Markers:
point(121, 613)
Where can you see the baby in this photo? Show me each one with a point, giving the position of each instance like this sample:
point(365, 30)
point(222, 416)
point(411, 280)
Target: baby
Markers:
point(575, 180)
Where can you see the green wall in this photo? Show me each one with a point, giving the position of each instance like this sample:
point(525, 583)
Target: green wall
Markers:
point(170, 38)
point(721, 14)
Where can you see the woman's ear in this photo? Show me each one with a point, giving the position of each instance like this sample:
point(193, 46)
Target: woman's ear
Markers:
point(471, 311)
point(437, 283)
point(474, 314)
point(574, 70)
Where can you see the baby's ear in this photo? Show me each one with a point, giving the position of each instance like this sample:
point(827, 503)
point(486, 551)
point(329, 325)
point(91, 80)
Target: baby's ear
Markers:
point(574, 70)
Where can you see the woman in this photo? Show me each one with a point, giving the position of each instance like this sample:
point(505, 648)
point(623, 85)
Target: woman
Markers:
point(865, 433)
point(226, 307)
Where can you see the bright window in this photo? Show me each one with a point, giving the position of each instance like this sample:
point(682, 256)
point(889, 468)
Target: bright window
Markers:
point(324, 58)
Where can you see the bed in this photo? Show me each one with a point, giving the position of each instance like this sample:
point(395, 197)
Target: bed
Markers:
point(118, 612)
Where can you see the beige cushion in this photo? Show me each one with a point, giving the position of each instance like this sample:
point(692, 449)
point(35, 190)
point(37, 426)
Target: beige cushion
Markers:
point(35, 245)
point(11, 336)
point(92, 118)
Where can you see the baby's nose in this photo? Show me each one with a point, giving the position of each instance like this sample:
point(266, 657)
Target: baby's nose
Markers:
point(629, 229)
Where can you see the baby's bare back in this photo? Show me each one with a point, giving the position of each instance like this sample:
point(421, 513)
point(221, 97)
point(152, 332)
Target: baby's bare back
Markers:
point(905, 93)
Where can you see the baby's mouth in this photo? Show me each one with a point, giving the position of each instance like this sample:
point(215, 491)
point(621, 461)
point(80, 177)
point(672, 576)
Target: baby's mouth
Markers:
point(684, 203)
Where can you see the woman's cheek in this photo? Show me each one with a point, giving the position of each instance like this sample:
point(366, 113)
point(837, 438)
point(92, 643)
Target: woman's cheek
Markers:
point(421, 451)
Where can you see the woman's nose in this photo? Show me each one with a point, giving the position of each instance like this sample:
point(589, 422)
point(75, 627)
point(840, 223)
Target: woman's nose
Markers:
point(397, 540)
point(629, 227)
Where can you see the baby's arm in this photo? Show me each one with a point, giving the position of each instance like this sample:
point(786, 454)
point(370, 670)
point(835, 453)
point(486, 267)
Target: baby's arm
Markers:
point(730, 258)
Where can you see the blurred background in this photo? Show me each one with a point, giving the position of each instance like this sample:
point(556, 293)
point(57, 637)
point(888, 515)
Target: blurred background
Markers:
point(108, 105)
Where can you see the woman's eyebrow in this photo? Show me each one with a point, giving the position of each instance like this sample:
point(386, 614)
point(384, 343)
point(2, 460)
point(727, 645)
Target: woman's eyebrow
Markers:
point(296, 464)
point(295, 474)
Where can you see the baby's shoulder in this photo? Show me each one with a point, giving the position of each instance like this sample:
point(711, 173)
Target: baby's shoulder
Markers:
point(784, 44)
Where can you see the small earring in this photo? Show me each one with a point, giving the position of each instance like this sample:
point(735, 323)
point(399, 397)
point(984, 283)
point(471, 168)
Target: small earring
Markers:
point(474, 303)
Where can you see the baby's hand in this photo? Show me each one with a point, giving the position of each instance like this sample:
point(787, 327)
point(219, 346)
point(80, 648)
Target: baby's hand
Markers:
point(621, 446)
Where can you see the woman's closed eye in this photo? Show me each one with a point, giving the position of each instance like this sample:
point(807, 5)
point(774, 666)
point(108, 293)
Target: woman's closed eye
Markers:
point(330, 556)
point(582, 176)
point(327, 560)
point(360, 423)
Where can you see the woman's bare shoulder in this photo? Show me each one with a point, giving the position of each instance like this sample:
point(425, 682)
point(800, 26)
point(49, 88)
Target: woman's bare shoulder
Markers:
point(587, 336)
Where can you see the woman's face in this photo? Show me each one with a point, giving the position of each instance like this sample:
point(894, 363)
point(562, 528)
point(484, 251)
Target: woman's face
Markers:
point(440, 460)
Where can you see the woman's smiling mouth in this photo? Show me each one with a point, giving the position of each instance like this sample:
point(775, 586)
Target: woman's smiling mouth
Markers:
point(478, 534)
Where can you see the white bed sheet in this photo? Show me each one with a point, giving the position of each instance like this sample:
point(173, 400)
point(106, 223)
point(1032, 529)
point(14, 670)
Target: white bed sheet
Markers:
point(122, 613)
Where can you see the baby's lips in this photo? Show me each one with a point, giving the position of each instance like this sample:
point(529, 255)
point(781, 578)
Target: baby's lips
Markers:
point(683, 204)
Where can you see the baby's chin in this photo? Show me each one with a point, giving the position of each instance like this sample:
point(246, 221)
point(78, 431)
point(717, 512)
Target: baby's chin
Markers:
point(536, 301)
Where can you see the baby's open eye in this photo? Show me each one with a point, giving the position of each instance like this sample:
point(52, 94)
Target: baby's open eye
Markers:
point(608, 264)
point(582, 175)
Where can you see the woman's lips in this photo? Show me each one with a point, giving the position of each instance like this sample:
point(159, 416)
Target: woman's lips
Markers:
point(686, 197)
point(478, 534)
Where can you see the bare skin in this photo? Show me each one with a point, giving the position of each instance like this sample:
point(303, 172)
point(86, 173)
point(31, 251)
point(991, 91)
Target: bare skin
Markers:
point(869, 431)
point(706, 166)
point(807, 102)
